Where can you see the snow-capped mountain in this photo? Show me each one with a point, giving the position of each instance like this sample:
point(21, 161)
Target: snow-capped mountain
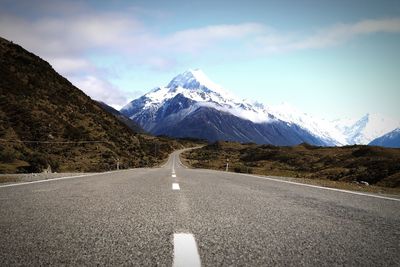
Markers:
point(366, 129)
point(192, 105)
point(192, 97)
point(391, 139)
point(195, 85)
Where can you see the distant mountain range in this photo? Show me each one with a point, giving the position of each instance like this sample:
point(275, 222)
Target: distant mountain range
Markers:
point(366, 129)
point(391, 139)
point(193, 106)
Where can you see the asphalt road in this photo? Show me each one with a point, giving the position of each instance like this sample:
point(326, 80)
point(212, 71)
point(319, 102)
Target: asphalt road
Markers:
point(130, 218)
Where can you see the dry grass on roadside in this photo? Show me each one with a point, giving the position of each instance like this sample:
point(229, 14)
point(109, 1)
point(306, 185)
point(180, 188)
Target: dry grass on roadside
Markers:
point(8, 179)
point(351, 167)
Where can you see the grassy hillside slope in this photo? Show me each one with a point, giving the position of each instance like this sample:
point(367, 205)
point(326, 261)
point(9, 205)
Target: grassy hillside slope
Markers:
point(37, 104)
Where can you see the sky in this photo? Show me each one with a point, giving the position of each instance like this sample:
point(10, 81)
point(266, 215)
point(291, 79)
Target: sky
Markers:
point(332, 59)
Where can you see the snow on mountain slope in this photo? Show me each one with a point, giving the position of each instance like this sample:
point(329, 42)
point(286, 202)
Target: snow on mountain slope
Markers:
point(391, 139)
point(319, 127)
point(366, 129)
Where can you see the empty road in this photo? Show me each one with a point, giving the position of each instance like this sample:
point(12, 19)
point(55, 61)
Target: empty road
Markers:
point(134, 217)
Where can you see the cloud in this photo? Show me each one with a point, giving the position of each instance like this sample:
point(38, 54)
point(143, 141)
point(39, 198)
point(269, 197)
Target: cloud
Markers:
point(194, 40)
point(344, 32)
point(160, 63)
point(71, 66)
point(327, 37)
point(73, 35)
point(102, 90)
point(77, 34)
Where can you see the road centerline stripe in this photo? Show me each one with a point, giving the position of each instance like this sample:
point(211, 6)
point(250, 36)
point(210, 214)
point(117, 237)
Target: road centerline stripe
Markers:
point(175, 186)
point(173, 175)
point(185, 251)
point(173, 164)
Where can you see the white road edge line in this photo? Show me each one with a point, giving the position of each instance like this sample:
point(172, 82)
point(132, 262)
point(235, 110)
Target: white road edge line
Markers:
point(185, 251)
point(62, 178)
point(50, 180)
point(321, 187)
point(175, 186)
point(180, 162)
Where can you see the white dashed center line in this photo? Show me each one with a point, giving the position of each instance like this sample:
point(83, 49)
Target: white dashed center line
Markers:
point(185, 251)
point(173, 164)
point(175, 186)
point(174, 175)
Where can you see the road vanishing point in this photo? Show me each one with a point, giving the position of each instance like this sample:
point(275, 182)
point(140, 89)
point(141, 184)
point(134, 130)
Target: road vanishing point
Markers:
point(175, 216)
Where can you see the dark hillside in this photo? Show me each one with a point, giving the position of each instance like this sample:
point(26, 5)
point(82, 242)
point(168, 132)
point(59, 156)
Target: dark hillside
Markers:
point(356, 164)
point(38, 104)
point(122, 118)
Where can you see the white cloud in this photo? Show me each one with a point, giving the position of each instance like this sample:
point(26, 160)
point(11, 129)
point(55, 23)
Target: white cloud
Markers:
point(327, 37)
point(51, 36)
point(344, 32)
point(101, 90)
point(71, 66)
point(193, 40)
point(160, 63)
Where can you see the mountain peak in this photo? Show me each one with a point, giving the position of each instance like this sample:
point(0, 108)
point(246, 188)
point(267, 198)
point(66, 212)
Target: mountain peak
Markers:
point(195, 79)
point(366, 117)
